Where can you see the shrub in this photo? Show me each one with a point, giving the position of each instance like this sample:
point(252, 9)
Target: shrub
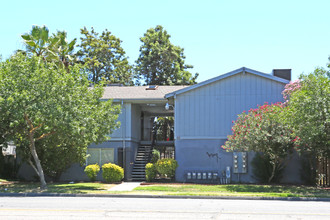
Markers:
point(264, 130)
point(308, 169)
point(151, 172)
point(155, 156)
point(262, 169)
point(167, 167)
point(92, 171)
point(112, 173)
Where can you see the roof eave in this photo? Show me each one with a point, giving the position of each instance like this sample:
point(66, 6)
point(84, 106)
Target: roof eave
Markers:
point(135, 100)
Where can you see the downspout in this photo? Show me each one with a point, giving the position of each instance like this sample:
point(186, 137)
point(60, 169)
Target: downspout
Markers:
point(124, 136)
point(175, 125)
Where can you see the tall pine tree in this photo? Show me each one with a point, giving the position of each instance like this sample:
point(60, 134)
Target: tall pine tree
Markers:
point(160, 62)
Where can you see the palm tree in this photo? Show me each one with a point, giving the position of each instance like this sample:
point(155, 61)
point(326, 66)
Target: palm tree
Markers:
point(50, 48)
point(64, 49)
point(39, 43)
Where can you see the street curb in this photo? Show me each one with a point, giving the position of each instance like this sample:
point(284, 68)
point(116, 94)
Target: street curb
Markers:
point(163, 196)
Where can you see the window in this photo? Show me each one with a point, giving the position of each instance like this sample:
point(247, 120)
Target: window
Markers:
point(100, 156)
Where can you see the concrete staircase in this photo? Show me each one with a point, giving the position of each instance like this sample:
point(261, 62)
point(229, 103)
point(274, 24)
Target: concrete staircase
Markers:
point(142, 158)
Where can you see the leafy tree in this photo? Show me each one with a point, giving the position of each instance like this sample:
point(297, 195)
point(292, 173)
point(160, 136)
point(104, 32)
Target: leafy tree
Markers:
point(163, 127)
point(45, 104)
point(309, 113)
point(261, 130)
point(160, 62)
point(104, 57)
point(65, 153)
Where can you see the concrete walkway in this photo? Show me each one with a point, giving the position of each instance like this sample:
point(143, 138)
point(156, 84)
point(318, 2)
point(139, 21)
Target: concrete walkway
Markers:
point(125, 186)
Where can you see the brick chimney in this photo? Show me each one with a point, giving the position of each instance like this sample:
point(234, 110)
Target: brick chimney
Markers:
point(282, 73)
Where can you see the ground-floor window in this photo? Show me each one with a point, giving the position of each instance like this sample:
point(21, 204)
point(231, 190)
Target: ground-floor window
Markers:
point(100, 156)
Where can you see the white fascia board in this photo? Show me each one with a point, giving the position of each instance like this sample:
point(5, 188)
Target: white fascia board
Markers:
point(138, 100)
point(202, 138)
point(240, 70)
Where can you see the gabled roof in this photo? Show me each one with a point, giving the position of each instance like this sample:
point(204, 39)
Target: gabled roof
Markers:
point(237, 71)
point(138, 92)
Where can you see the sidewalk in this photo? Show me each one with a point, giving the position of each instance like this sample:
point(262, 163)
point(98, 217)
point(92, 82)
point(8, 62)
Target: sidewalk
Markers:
point(125, 186)
point(163, 196)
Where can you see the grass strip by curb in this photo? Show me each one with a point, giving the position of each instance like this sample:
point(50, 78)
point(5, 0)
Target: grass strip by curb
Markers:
point(171, 189)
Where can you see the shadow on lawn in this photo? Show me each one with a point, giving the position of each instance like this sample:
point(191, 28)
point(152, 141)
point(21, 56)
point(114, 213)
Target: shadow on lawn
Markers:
point(81, 188)
point(275, 189)
point(73, 188)
point(252, 188)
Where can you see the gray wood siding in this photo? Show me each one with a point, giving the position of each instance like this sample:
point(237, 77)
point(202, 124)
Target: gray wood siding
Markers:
point(208, 111)
point(125, 120)
point(136, 122)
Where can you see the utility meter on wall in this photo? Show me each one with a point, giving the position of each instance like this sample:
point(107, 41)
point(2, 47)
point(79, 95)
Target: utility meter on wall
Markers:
point(228, 172)
point(240, 162)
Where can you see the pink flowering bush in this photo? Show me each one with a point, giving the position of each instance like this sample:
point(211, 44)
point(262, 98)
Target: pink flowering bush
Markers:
point(309, 113)
point(290, 88)
point(262, 130)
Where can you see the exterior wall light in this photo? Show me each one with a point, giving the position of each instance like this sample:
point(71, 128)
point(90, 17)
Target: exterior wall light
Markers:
point(167, 106)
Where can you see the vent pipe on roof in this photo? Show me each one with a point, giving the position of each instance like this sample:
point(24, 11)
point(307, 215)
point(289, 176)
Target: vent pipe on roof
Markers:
point(282, 73)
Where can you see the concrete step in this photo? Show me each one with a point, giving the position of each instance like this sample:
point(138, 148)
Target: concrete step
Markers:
point(138, 174)
point(138, 170)
point(139, 166)
point(140, 162)
point(142, 155)
point(141, 159)
point(138, 178)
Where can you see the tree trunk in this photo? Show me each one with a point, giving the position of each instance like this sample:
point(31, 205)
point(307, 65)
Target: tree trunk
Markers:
point(33, 151)
point(273, 172)
point(37, 161)
point(312, 170)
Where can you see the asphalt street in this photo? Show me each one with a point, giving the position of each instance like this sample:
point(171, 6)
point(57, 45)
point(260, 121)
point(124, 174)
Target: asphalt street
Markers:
point(158, 208)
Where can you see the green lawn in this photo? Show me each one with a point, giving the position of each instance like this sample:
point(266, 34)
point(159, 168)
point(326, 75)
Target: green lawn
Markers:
point(235, 190)
point(170, 189)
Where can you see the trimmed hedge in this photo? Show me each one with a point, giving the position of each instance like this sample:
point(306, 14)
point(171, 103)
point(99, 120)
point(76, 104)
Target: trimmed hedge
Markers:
point(92, 171)
point(112, 172)
point(151, 172)
point(167, 167)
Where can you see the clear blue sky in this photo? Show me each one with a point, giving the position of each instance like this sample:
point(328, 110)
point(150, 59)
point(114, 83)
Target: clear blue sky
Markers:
point(218, 36)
